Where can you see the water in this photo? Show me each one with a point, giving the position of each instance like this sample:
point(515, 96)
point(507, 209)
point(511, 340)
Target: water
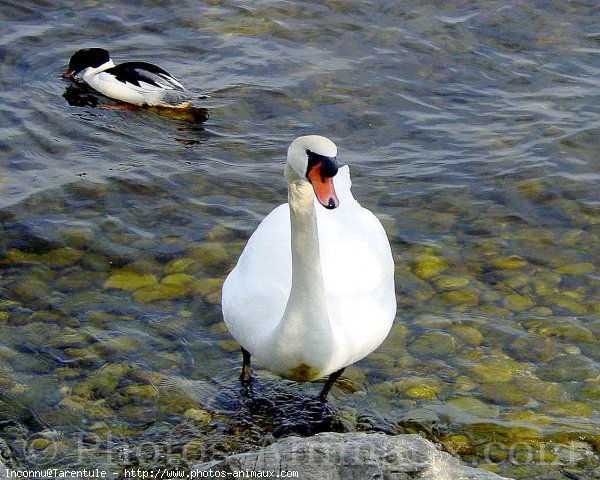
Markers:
point(471, 130)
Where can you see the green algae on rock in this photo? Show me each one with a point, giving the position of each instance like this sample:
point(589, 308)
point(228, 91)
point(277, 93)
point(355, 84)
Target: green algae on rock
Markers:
point(197, 415)
point(496, 370)
point(451, 282)
point(581, 268)
point(433, 344)
point(428, 266)
point(210, 254)
point(419, 388)
point(475, 407)
point(567, 409)
point(509, 263)
point(161, 291)
point(129, 280)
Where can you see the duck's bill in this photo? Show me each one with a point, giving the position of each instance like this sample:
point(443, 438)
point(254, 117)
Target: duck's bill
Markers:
point(323, 187)
point(68, 74)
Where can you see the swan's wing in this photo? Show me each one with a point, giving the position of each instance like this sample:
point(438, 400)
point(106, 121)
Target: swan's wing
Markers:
point(343, 184)
point(256, 291)
point(358, 272)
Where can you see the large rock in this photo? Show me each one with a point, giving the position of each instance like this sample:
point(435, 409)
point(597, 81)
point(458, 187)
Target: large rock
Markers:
point(351, 456)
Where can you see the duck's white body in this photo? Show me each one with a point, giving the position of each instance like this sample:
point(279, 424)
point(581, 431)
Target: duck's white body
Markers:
point(161, 91)
point(313, 291)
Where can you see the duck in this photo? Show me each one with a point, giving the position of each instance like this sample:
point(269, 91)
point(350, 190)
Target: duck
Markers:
point(135, 83)
point(313, 289)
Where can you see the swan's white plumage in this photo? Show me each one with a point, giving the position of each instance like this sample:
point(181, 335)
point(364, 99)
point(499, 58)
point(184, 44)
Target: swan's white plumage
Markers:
point(358, 280)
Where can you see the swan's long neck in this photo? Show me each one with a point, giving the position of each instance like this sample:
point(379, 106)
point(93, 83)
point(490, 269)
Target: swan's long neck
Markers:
point(307, 292)
point(306, 316)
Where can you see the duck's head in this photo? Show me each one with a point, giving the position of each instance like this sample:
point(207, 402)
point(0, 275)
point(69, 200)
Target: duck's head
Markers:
point(313, 159)
point(95, 59)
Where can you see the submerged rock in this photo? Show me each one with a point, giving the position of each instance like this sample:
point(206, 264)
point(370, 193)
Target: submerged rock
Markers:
point(429, 266)
point(130, 281)
point(351, 456)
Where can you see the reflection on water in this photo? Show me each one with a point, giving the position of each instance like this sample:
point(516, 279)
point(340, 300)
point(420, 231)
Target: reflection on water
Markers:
point(471, 129)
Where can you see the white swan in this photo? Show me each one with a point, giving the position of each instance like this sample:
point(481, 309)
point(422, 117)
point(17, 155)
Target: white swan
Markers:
point(313, 290)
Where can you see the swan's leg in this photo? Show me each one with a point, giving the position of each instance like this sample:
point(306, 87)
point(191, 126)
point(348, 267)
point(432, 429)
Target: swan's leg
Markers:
point(246, 374)
point(329, 383)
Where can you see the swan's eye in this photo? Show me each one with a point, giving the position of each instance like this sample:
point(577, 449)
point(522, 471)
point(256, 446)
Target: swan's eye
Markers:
point(327, 165)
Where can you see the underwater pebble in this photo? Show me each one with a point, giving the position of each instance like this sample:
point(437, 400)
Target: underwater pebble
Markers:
point(177, 279)
point(475, 407)
point(206, 286)
point(82, 355)
point(67, 373)
point(541, 311)
point(581, 268)
point(32, 290)
point(17, 257)
point(509, 263)
point(95, 262)
point(61, 257)
point(211, 254)
point(566, 303)
point(495, 370)
point(464, 384)
point(568, 368)
point(229, 345)
point(197, 415)
point(503, 393)
point(102, 382)
point(431, 321)
point(533, 348)
point(541, 390)
point(429, 266)
point(544, 289)
point(74, 282)
point(466, 334)
point(530, 417)
point(182, 265)
point(8, 304)
point(514, 282)
point(221, 233)
point(457, 444)
point(518, 303)
point(433, 344)
point(160, 291)
point(448, 282)
point(463, 297)
point(120, 345)
point(567, 329)
point(140, 391)
point(567, 409)
point(590, 390)
point(419, 388)
point(129, 281)
point(40, 443)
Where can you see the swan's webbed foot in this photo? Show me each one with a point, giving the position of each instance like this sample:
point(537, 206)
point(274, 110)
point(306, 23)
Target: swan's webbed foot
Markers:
point(246, 375)
point(329, 383)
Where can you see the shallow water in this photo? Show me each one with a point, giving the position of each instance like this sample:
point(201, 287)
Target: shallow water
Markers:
point(471, 130)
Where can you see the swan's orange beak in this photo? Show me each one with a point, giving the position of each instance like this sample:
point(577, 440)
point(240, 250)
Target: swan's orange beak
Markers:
point(323, 187)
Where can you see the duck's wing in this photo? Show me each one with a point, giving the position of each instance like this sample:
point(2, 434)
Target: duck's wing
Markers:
point(145, 77)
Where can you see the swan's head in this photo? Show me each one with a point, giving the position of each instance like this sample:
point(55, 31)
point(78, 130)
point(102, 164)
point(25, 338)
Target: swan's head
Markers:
point(312, 159)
